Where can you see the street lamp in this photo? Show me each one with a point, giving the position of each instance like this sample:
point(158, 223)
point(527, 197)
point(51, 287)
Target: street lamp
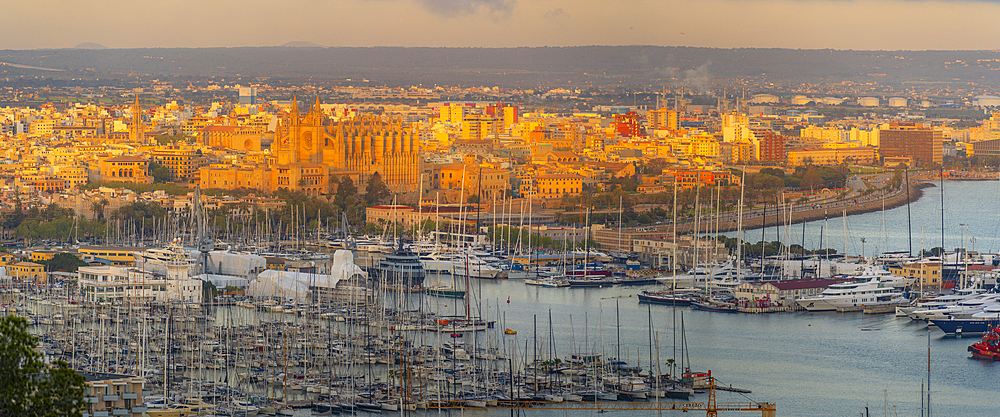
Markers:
point(862, 248)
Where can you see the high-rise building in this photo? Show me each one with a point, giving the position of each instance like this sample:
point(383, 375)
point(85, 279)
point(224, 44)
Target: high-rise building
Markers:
point(770, 145)
point(663, 118)
point(628, 124)
point(506, 115)
point(912, 140)
point(248, 96)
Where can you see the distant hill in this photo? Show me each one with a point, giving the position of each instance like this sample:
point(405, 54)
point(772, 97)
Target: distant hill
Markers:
point(527, 67)
point(90, 45)
point(301, 44)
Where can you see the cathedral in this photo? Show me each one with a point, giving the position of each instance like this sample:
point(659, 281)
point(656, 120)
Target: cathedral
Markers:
point(359, 147)
point(309, 149)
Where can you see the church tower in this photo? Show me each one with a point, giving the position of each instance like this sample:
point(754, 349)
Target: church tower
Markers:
point(136, 133)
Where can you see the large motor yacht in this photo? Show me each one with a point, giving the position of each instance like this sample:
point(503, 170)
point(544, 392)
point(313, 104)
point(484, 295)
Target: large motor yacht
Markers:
point(852, 294)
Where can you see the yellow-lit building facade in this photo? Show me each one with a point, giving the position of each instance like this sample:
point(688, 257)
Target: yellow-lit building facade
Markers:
point(928, 274)
point(240, 138)
point(557, 185)
point(179, 160)
point(126, 168)
point(864, 155)
point(115, 256)
point(26, 271)
point(494, 183)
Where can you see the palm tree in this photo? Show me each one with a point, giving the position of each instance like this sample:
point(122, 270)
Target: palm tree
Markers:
point(98, 208)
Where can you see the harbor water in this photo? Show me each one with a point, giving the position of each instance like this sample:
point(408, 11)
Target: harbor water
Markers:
point(970, 212)
point(809, 363)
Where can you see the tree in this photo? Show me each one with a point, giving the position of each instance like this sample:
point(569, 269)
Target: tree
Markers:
point(66, 262)
point(897, 176)
point(346, 191)
point(98, 208)
point(12, 220)
point(29, 387)
point(159, 172)
point(376, 192)
point(811, 180)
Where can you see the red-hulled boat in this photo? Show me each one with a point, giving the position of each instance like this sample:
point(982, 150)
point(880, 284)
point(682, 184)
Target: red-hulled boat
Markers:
point(989, 346)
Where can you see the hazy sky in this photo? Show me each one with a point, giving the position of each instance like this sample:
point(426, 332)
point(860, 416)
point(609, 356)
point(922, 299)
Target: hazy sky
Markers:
point(838, 24)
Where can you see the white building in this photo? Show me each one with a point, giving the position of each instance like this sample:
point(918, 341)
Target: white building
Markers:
point(897, 102)
point(987, 101)
point(764, 98)
point(114, 284)
point(868, 101)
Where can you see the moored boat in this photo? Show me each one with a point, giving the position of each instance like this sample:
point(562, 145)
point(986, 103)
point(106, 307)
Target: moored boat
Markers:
point(657, 297)
point(989, 346)
point(956, 327)
point(715, 306)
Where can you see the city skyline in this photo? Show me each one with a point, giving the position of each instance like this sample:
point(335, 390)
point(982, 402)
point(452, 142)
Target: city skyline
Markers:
point(805, 24)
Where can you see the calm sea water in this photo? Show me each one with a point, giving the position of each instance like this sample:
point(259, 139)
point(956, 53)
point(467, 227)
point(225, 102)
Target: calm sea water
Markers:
point(970, 220)
point(810, 364)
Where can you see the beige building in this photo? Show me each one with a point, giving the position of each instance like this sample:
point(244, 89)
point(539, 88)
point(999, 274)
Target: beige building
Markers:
point(113, 395)
point(825, 156)
point(557, 185)
point(782, 293)
point(126, 168)
point(494, 183)
point(241, 138)
point(182, 162)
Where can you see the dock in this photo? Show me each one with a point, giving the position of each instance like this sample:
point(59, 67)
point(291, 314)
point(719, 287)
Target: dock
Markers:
point(765, 310)
point(731, 389)
point(880, 309)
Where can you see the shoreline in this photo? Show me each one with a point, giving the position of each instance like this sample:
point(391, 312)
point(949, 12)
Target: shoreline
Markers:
point(896, 200)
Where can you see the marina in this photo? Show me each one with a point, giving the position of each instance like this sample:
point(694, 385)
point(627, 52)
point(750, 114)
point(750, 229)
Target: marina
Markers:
point(373, 331)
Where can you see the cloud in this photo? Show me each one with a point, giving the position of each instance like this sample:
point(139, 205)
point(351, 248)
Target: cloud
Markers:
point(555, 14)
point(454, 8)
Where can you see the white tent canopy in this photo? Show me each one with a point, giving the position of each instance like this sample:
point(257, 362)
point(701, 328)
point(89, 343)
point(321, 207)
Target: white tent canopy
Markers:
point(295, 285)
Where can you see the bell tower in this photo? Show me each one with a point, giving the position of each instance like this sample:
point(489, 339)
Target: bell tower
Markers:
point(135, 131)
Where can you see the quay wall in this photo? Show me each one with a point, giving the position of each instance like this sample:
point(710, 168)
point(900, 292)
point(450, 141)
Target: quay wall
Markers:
point(827, 211)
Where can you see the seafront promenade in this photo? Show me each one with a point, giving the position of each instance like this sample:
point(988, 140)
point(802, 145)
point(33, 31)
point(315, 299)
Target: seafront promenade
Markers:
point(856, 201)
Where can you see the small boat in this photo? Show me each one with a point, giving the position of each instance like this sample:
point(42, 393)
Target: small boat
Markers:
point(715, 306)
point(444, 291)
point(509, 331)
point(657, 297)
point(989, 346)
point(638, 281)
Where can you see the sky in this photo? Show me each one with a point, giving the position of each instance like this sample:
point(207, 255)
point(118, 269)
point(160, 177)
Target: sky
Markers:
point(806, 24)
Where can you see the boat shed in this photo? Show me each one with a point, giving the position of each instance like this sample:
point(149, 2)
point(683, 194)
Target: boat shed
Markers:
point(785, 292)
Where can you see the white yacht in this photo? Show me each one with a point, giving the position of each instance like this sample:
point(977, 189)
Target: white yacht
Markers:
point(437, 263)
point(943, 301)
point(477, 268)
point(964, 307)
point(707, 275)
point(852, 294)
point(884, 276)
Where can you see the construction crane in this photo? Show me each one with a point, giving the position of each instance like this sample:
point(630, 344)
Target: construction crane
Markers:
point(711, 407)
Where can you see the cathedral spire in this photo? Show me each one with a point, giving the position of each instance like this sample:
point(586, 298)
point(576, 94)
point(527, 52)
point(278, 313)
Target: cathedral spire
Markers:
point(317, 112)
point(295, 108)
